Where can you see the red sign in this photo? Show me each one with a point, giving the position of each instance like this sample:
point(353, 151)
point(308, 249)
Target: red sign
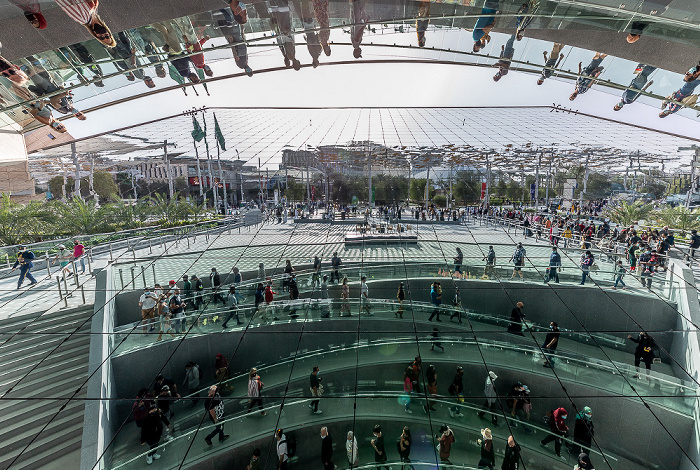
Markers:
point(483, 190)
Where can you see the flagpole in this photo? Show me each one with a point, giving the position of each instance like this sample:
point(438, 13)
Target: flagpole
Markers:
point(221, 173)
point(212, 183)
point(199, 170)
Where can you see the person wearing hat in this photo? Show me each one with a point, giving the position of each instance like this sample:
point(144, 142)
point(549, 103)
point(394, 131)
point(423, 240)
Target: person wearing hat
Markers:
point(445, 440)
point(583, 430)
point(63, 257)
point(490, 396)
point(511, 456)
point(488, 455)
point(24, 261)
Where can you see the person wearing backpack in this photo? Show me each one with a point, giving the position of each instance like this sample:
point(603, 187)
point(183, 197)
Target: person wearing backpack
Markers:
point(558, 430)
point(518, 260)
point(24, 261)
point(282, 451)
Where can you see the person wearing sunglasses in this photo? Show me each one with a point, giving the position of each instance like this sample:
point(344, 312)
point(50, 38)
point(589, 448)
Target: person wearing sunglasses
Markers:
point(85, 13)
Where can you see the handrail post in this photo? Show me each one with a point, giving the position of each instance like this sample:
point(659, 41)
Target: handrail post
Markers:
point(60, 294)
point(75, 271)
point(110, 252)
point(153, 265)
point(133, 278)
point(65, 283)
point(82, 291)
point(89, 261)
point(7, 257)
point(143, 276)
point(121, 277)
point(48, 264)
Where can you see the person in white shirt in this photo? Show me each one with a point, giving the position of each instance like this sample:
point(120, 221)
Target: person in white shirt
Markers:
point(147, 302)
point(351, 449)
point(255, 385)
point(364, 296)
point(281, 450)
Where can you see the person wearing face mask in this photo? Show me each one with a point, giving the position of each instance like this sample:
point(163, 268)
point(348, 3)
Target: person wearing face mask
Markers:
point(378, 445)
point(558, 430)
point(583, 430)
point(584, 462)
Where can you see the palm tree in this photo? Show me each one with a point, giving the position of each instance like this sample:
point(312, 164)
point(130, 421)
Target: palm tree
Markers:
point(628, 213)
point(122, 215)
point(81, 217)
point(679, 218)
point(167, 210)
point(21, 223)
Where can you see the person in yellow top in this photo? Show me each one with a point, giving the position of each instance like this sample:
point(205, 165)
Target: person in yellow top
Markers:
point(567, 236)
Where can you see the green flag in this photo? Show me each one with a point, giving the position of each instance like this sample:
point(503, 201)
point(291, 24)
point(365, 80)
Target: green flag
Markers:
point(219, 135)
point(200, 74)
point(175, 75)
point(197, 133)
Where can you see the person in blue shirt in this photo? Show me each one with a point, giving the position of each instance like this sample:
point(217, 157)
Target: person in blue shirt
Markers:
point(436, 299)
point(637, 86)
point(588, 75)
point(24, 262)
point(484, 25)
point(554, 266)
point(503, 64)
point(690, 82)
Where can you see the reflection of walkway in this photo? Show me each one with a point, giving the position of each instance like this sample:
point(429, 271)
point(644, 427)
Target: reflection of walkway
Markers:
point(287, 383)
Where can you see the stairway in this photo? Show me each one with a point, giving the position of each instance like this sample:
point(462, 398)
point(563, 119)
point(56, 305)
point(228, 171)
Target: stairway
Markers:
point(33, 402)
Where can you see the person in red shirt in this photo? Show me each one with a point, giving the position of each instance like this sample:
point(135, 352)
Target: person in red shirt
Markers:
point(78, 252)
point(198, 59)
point(558, 428)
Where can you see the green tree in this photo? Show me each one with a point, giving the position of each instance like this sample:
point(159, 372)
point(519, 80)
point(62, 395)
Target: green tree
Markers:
point(78, 216)
point(168, 210)
point(418, 189)
point(628, 213)
point(104, 185)
point(56, 186)
point(440, 200)
point(23, 223)
point(679, 218)
point(122, 215)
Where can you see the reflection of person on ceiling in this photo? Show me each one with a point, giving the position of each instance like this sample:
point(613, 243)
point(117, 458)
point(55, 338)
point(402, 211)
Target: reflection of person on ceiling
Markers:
point(181, 63)
point(684, 96)
point(588, 75)
point(359, 19)
point(552, 62)
point(281, 21)
point(198, 58)
point(32, 12)
point(38, 109)
point(77, 57)
point(12, 72)
point(124, 55)
point(646, 7)
point(422, 22)
point(170, 35)
point(84, 12)
point(43, 83)
point(506, 56)
point(638, 84)
point(324, 34)
point(313, 43)
point(484, 25)
point(233, 32)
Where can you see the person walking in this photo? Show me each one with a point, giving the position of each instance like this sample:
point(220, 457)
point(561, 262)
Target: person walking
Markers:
point(637, 86)
point(214, 407)
point(583, 431)
point(78, 254)
point(255, 386)
point(282, 450)
point(400, 297)
point(345, 298)
point(64, 257)
point(518, 260)
point(435, 340)
point(456, 306)
point(456, 389)
point(586, 263)
point(404, 448)
point(408, 388)
point(620, 272)
point(693, 245)
point(177, 310)
point(551, 62)
point(364, 296)
point(458, 261)
point(520, 406)
point(436, 299)
point(198, 291)
point(351, 450)
point(490, 267)
point(191, 382)
point(511, 456)
point(558, 430)
point(147, 302)
point(215, 280)
point(488, 454)
point(378, 446)
point(516, 319)
point(554, 266)
point(316, 390)
point(24, 262)
point(551, 342)
point(643, 352)
point(431, 386)
point(326, 449)
point(588, 75)
point(232, 307)
point(335, 266)
point(152, 430)
point(84, 12)
point(490, 398)
point(445, 440)
point(254, 460)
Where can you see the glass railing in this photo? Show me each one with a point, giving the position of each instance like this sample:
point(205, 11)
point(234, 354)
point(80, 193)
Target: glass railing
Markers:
point(337, 404)
point(580, 353)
